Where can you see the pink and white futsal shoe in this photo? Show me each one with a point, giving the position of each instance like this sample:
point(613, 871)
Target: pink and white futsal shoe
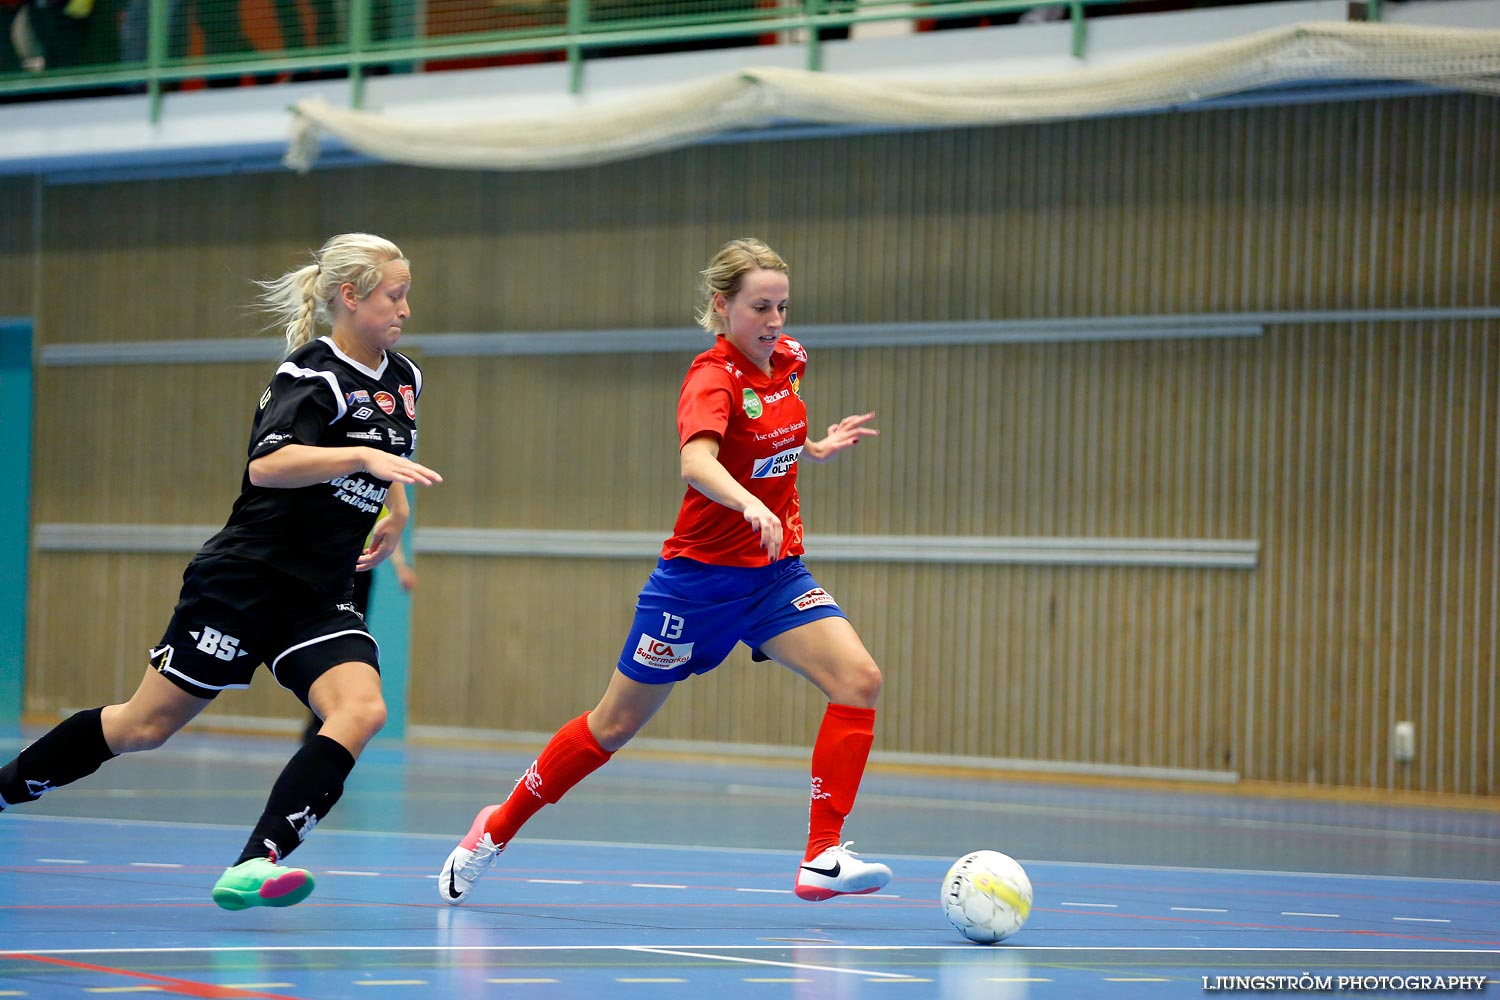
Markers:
point(838, 871)
point(473, 856)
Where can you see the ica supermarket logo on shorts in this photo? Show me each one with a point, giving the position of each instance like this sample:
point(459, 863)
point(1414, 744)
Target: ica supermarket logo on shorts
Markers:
point(659, 655)
point(777, 465)
point(815, 598)
point(753, 409)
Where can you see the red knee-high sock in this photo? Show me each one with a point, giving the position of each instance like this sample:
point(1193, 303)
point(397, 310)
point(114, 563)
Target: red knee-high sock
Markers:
point(570, 756)
point(838, 762)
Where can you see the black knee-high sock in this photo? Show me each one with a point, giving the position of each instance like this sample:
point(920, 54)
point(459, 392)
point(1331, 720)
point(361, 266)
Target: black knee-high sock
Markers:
point(72, 749)
point(309, 785)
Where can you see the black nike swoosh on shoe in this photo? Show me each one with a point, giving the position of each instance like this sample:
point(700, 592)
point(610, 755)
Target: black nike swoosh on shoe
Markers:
point(452, 885)
point(825, 872)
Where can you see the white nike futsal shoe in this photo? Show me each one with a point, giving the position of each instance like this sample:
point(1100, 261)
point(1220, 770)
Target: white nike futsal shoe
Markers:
point(473, 856)
point(839, 872)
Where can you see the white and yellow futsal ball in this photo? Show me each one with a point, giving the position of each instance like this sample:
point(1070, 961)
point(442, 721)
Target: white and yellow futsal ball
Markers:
point(986, 896)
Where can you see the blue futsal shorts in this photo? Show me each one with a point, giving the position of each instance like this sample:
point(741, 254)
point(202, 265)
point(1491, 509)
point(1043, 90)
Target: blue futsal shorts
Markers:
point(690, 614)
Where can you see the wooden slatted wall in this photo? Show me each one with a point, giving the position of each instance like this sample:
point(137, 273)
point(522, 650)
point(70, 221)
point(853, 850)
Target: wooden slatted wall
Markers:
point(1362, 455)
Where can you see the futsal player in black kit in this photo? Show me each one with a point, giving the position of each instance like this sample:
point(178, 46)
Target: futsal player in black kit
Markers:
point(331, 442)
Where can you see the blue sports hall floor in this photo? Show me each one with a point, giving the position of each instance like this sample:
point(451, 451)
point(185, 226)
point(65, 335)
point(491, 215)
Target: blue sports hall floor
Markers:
point(666, 877)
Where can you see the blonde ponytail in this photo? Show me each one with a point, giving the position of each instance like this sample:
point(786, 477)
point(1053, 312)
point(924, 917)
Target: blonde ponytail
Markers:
point(300, 299)
point(292, 300)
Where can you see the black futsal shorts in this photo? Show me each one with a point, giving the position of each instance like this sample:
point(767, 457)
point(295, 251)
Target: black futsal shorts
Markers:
point(235, 614)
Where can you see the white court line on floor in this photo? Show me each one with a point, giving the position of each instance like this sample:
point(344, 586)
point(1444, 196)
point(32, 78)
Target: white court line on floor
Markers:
point(801, 946)
point(803, 966)
point(1257, 872)
point(1358, 831)
point(327, 833)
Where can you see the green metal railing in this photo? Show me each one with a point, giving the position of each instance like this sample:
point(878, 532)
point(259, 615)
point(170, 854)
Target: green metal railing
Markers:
point(380, 36)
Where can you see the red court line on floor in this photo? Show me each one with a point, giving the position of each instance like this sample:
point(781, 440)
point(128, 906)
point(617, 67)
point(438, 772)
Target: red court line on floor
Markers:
point(183, 987)
point(1322, 929)
point(1185, 889)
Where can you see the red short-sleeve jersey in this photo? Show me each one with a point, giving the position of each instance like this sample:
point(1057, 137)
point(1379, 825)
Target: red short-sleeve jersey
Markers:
point(761, 423)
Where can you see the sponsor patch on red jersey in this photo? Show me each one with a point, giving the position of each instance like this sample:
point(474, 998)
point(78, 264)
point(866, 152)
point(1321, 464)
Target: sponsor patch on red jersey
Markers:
point(775, 465)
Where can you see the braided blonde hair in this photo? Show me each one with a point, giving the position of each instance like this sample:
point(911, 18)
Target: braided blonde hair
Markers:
point(726, 273)
point(300, 299)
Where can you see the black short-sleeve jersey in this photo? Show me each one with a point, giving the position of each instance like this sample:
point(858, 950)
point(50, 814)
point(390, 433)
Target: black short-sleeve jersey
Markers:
point(322, 397)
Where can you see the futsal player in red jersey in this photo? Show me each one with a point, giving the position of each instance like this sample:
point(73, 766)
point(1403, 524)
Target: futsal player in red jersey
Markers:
point(730, 573)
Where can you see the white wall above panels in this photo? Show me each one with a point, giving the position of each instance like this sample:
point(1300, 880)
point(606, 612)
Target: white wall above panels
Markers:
point(243, 129)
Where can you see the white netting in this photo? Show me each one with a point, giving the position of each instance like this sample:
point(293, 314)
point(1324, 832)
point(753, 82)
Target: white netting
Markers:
point(1454, 59)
